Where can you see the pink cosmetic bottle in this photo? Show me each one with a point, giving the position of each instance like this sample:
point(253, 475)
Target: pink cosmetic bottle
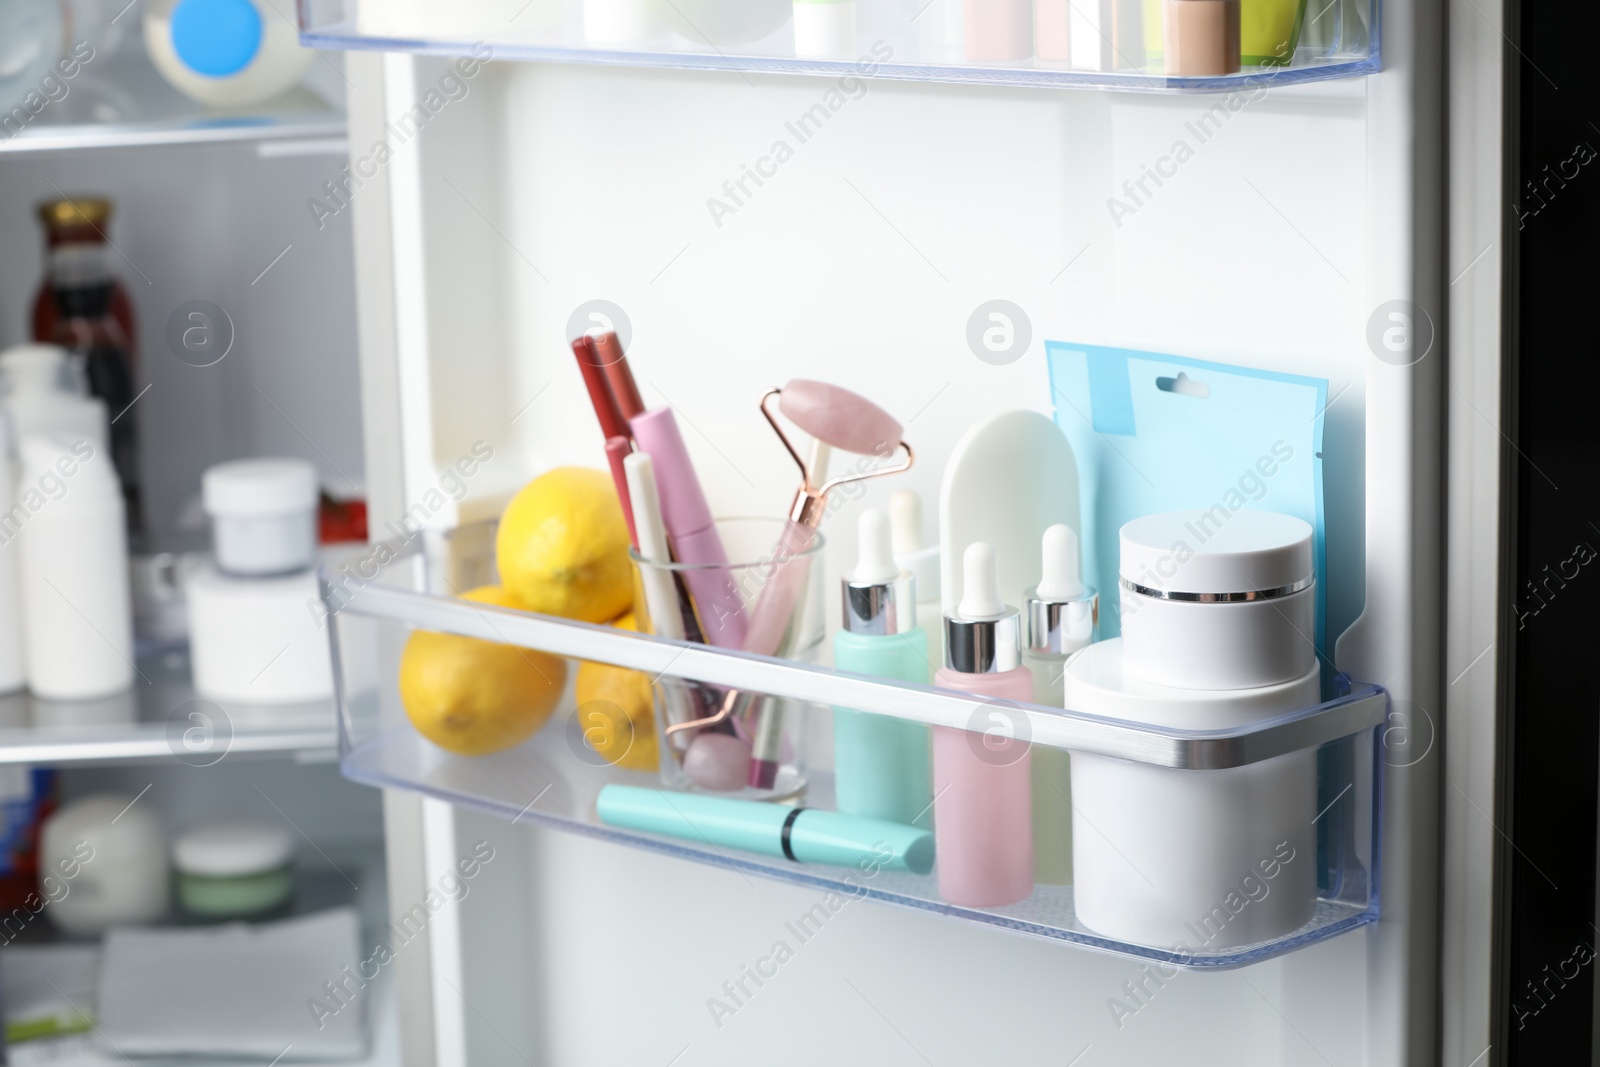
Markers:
point(982, 777)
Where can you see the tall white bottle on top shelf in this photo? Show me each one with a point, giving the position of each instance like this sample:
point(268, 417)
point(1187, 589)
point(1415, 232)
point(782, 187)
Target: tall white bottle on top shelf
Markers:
point(74, 565)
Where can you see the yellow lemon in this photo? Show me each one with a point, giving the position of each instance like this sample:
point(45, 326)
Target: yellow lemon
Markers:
point(616, 711)
point(473, 697)
point(562, 546)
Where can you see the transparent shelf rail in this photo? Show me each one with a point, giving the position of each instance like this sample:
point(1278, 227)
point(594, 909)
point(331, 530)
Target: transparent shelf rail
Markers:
point(159, 719)
point(915, 40)
point(122, 102)
point(380, 596)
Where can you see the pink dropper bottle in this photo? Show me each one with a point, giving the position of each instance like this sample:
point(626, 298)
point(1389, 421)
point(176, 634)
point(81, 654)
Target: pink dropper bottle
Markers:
point(982, 777)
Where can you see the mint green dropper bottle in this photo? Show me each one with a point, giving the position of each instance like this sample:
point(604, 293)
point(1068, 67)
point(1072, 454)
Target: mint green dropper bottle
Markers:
point(882, 765)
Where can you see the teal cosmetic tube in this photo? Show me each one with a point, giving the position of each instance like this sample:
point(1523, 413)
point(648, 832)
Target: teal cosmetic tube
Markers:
point(882, 766)
point(803, 835)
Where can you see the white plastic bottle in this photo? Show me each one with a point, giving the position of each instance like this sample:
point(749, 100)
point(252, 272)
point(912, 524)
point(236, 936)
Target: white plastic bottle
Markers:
point(38, 390)
point(13, 661)
point(224, 53)
point(74, 556)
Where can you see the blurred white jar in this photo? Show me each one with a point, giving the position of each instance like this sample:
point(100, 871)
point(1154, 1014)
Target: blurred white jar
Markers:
point(263, 515)
point(224, 53)
point(254, 637)
point(103, 863)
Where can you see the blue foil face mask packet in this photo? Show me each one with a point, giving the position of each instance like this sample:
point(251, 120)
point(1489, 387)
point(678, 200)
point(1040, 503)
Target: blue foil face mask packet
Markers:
point(1155, 433)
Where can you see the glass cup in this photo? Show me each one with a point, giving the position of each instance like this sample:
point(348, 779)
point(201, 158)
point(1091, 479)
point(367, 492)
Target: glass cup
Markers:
point(733, 742)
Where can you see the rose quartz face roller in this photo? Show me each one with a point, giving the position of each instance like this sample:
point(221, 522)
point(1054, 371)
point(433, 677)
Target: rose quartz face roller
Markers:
point(844, 421)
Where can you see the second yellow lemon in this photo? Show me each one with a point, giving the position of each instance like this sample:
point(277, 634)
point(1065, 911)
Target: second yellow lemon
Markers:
point(616, 712)
point(473, 697)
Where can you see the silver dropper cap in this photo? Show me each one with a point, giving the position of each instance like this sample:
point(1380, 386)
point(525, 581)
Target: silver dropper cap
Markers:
point(880, 608)
point(983, 635)
point(880, 599)
point(1062, 612)
point(1062, 626)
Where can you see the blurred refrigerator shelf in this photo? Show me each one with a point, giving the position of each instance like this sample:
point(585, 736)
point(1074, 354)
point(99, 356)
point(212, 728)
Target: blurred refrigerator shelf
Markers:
point(125, 103)
point(910, 40)
point(42, 963)
point(160, 719)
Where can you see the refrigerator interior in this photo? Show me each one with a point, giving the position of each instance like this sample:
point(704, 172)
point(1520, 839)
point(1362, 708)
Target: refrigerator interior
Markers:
point(858, 257)
point(212, 207)
point(209, 222)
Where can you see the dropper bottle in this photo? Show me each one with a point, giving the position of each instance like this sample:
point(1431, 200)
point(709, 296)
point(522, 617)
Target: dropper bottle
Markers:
point(983, 797)
point(882, 766)
point(913, 553)
point(1063, 616)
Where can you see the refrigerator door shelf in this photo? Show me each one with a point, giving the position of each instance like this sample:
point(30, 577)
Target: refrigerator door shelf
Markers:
point(890, 40)
point(380, 596)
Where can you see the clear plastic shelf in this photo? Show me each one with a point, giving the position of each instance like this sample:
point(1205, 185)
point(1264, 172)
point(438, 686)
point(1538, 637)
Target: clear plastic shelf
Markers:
point(914, 40)
point(122, 102)
point(161, 719)
point(377, 597)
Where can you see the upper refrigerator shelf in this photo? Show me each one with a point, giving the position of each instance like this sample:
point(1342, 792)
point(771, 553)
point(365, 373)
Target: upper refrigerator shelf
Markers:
point(1096, 44)
point(120, 101)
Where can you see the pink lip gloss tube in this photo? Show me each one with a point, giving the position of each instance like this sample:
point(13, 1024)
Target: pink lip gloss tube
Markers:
point(690, 529)
point(983, 777)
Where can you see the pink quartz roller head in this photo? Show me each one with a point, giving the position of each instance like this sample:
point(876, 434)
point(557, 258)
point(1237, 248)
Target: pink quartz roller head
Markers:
point(839, 417)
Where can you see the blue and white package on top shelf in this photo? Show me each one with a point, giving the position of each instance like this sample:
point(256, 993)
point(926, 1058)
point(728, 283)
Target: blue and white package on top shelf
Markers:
point(224, 53)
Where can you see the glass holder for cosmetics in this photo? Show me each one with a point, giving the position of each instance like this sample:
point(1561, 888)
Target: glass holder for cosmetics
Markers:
point(914, 40)
point(380, 594)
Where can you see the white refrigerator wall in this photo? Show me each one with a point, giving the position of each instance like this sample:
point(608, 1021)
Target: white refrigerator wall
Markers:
point(859, 259)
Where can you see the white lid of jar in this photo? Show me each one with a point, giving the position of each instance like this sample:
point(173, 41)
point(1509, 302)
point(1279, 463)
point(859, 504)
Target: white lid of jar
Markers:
point(233, 849)
point(1096, 684)
point(255, 487)
point(1216, 551)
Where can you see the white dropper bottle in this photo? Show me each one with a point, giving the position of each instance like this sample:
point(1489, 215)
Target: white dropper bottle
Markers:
point(914, 554)
point(1062, 614)
point(1062, 618)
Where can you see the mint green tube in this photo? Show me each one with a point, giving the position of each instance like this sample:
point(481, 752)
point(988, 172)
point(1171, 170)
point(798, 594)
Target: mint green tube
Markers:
point(882, 766)
point(803, 835)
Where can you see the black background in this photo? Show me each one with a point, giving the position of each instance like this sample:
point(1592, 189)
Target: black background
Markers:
point(1553, 745)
